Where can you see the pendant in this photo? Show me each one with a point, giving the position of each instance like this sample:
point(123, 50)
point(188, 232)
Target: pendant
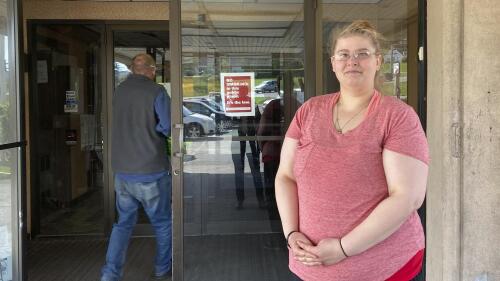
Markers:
point(339, 131)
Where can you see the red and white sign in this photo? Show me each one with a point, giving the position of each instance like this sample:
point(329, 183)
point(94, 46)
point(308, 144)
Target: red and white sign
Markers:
point(237, 92)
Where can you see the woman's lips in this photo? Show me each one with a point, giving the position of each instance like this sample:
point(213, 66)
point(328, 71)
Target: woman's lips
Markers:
point(352, 72)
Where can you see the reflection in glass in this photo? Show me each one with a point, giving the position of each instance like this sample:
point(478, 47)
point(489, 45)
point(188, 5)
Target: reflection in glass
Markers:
point(398, 74)
point(8, 183)
point(230, 214)
point(67, 121)
point(8, 108)
point(247, 130)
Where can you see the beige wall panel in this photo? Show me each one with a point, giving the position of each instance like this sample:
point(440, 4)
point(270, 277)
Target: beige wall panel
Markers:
point(463, 207)
point(444, 94)
point(90, 10)
point(481, 173)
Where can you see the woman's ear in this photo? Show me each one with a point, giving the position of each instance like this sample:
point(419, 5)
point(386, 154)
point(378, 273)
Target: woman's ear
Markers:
point(379, 62)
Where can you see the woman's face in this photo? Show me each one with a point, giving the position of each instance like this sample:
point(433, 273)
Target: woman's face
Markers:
point(355, 62)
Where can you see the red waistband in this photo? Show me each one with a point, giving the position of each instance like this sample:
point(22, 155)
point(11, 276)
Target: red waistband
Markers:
point(410, 269)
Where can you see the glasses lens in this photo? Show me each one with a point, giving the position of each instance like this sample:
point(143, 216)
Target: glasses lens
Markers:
point(342, 56)
point(362, 55)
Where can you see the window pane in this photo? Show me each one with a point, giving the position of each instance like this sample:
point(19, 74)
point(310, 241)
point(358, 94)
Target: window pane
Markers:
point(8, 185)
point(243, 78)
point(397, 21)
point(8, 109)
point(67, 135)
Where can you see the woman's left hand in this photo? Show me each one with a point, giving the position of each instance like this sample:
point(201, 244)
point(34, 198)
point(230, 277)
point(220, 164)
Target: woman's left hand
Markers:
point(327, 250)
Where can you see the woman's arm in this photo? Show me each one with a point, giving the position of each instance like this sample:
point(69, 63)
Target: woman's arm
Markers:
point(287, 199)
point(286, 187)
point(407, 180)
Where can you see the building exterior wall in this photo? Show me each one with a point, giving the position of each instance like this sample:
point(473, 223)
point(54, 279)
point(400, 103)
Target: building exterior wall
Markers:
point(463, 96)
point(481, 169)
point(463, 199)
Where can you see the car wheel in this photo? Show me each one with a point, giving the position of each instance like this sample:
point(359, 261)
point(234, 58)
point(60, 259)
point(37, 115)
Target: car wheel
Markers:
point(220, 127)
point(194, 130)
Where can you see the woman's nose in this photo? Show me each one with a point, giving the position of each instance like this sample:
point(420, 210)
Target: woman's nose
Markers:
point(352, 61)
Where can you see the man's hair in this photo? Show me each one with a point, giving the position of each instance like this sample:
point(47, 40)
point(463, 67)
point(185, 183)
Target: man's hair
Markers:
point(141, 63)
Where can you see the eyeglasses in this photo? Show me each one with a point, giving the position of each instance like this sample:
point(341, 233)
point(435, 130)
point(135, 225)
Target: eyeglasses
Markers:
point(357, 55)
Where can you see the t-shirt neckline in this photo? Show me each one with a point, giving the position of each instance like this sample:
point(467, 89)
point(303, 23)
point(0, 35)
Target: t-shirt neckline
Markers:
point(372, 106)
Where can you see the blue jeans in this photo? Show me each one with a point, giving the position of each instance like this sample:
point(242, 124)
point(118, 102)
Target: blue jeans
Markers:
point(155, 198)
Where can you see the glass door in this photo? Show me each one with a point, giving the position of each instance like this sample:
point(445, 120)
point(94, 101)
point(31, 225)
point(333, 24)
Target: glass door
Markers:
point(128, 41)
point(242, 81)
point(11, 148)
point(398, 23)
point(66, 125)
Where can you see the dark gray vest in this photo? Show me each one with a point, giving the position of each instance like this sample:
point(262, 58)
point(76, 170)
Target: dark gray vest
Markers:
point(137, 148)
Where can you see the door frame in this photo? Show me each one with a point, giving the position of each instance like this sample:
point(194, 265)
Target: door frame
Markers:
point(32, 100)
point(312, 67)
point(312, 70)
point(177, 133)
point(110, 27)
point(18, 191)
point(107, 79)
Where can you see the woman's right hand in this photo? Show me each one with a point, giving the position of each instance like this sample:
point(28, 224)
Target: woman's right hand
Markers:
point(301, 255)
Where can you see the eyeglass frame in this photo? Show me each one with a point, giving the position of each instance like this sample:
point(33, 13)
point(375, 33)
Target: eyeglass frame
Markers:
point(355, 55)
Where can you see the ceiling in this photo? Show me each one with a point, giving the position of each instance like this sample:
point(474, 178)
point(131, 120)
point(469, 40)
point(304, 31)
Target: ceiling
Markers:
point(257, 26)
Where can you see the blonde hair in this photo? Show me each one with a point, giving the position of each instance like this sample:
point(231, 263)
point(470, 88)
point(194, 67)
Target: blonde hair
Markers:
point(364, 29)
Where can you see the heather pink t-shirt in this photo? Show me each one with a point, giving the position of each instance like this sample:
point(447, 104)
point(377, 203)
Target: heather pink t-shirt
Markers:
point(340, 180)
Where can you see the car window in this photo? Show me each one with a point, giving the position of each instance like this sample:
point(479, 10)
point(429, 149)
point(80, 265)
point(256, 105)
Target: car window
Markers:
point(205, 109)
point(191, 106)
point(214, 105)
point(186, 112)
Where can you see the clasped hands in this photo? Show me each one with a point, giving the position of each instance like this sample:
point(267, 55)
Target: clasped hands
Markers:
point(326, 252)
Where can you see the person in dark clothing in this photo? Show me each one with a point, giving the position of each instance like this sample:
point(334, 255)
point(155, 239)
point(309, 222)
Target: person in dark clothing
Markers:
point(141, 121)
point(271, 126)
point(247, 127)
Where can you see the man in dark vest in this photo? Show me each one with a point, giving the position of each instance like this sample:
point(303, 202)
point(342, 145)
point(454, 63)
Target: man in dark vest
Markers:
point(141, 121)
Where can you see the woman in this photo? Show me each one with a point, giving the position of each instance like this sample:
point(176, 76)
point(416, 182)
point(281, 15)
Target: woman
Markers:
point(352, 174)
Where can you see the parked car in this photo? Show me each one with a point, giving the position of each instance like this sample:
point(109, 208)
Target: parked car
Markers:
point(268, 86)
point(197, 125)
point(213, 104)
point(223, 122)
point(215, 96)
point(121, 72)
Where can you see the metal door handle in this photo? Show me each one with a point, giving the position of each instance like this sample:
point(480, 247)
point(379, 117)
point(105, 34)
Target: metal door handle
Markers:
point(179, 154)
point(181, 135)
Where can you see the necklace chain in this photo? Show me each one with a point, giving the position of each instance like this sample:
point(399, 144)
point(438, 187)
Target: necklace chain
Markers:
point(340, 129)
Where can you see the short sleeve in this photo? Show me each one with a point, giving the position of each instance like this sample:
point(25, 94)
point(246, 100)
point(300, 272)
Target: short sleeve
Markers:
point(295, 129)
point(405, 135)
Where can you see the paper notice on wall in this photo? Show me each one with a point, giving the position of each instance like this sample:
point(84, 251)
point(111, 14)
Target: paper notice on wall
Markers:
point(71, 102)
point(42, 75)
point(237, 92)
